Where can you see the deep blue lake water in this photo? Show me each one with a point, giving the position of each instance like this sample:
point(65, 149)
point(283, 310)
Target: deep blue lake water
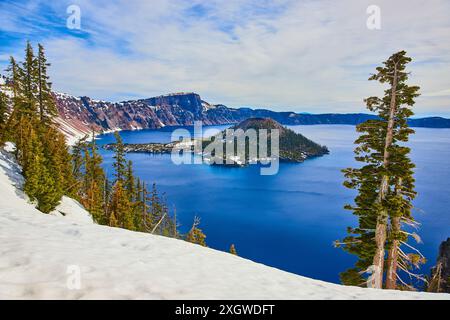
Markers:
point(289, 220)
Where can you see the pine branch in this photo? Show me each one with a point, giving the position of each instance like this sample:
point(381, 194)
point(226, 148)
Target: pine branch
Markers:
point(405, 284)
point(418, 277)
point(414, 235)
point(412, 248)
point(410, 222)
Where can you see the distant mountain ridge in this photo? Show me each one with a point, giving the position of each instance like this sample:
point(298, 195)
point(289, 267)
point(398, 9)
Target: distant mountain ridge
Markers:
point(83, 114)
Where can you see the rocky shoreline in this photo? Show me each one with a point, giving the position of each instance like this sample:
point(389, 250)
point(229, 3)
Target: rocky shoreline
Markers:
point(144, 147)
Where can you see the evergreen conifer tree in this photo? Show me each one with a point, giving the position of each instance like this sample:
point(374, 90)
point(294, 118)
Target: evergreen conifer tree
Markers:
point(121, 208)
point(91, 176)
point(113, 222)
point(140, 206)
point(29, 80)
point(129, 182)
point(78, 160)
point(40, 147)
point(14, 84)
point(39, 182)
point(120, 163)
point(34, 164)
point(196, 235)
point(385, 184)
point(156, 208)
point(3, 116)
point(46, 102)
point(57, 158)
point(94, 203)
point(13, 78)
point(146, 210)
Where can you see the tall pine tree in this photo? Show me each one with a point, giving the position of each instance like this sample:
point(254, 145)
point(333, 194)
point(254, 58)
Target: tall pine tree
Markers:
point(29, 79)
point(4, 102)
point(46, 102)
point(385, 184)
point(13, 83)
point(120, 209)
point(120, 163)
point(39, 183)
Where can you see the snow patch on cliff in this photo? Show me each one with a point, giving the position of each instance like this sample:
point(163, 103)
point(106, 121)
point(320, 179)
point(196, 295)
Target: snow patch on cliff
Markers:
point(71, 133)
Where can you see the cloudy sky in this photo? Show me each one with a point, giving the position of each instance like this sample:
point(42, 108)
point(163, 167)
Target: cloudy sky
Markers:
point(300, 55)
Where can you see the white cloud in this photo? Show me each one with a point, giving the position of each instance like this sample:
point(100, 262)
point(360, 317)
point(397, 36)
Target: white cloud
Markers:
point(306, 55)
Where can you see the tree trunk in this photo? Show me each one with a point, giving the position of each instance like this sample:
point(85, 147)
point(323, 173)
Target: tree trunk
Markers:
point(392, 262)
point(175, 235)
point(378, 258)
point(380, 230)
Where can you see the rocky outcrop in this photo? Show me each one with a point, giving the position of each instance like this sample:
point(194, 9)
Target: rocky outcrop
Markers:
point(143, 147)
point(87, 114)
point(440, 275)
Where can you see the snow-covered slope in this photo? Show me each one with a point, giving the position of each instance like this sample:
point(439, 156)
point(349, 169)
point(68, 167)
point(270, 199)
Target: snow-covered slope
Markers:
point(71, 133)
point(72, 210)
point(40, 256)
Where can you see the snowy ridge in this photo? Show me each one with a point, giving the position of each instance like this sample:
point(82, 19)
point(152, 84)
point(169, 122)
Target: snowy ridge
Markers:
point(63, 95)
point(71, 133)
point(174, 94)
point(37, 250)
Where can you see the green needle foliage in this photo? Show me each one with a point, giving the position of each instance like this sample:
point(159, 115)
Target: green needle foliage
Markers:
point(384, 183)
point(3, 116)
point(196, 235)
point(40, 148)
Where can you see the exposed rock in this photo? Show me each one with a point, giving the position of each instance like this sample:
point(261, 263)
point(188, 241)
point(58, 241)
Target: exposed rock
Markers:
point(143, 147)
point(440, 275)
